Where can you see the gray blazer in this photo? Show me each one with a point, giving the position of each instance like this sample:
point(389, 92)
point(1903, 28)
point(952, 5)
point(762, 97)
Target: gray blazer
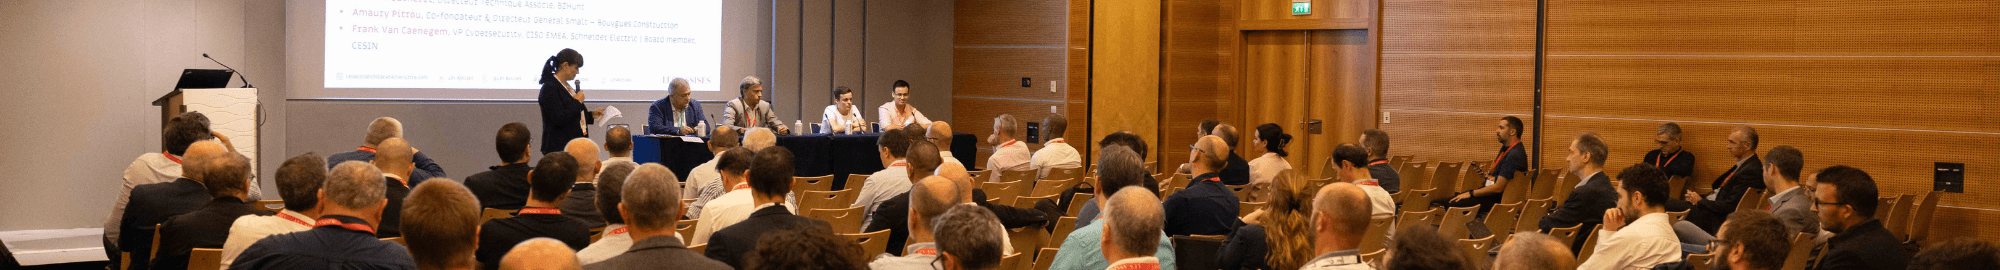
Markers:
point(733, 114)
point(1795, 209)
point(658, 252)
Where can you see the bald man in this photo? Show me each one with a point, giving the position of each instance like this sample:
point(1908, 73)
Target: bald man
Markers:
point(151, 204)
point(581, 204)
point(540, 254)
point(383, 129)
point(391, 158)
point(1206, 206)
point(1132, 218)
point(227, 177)
point(1237, 172)
point(351, 203)
point(940, 134)
point(929, 198)
point(1340, 218)
point(970, 194)
point(1533, 251)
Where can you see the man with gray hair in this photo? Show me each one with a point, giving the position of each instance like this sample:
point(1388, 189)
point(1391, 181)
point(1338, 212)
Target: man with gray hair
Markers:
point(1132, 222)
point(1119, 168)
point(383, 129)
point(1340, 218)
point(227, 177)
point(540, 254)
point(299, 179)
point(929, 198)
point(615, 239)
point(151, 204)
point(678, 113)
point(649, 210)
point(1670, 157)
point(975, 243)
point(749, 110)
point(344, 238)
point(1534, 251)
point(1008, 154)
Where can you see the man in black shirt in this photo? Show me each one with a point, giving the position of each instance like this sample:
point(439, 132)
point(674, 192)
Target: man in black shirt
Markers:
point(396, 179)
point(226, 177)
point(344, 237)
point(770, 180)
point(152, 204)
point(505, 186)
point(1512, 159)
point(1377, 143)
point(548, 183)
point(1670, 157)
point(1237, 172)
point(1846, 206)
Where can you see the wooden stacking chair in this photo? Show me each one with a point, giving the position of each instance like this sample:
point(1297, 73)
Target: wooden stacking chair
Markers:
point(1898, 219)
point(1011, 176)
point(980, 174)
point(872, 243)
point(1566, 235)
point(1676, 187)
point(812, 199)
point(1029, 202)
point(1377, 235)
point(397, 240)
point(1414, 175)
point(814, 183)
point(1053, 187)
point(1013, 261)
point(1589, 243)
point(1751, 198)
point(1449, 172)
point(1244, 209)
point(1397, 161)
point(1153, 166)
point(1453, 225)
point(1475, 251)
point(1374, 258)
point(844, 220)
point(1417, 200)
point(1920, 226)
point(1880, 210)
point(1032, 237)
point(1425, 217)
point(1501, 220)
point(1566, 183)
point(1004, 193)
point(1676, 217)
point(702, 248)
point(1700, 261)
point(1518, 191)
point(1045, 258)
point(686, 228)
point(205, 259)
point(267, 206)
point(1064, 174)
point(1063, 226)
point(1802, 245)
point(1532, 213)
point(489, 214)
point(855, 181)
point(596, 233)
point(1076, 203)
point(1544, 186)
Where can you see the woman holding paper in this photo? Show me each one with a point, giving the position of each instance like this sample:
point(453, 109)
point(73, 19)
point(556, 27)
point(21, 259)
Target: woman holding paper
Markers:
point(563, 114)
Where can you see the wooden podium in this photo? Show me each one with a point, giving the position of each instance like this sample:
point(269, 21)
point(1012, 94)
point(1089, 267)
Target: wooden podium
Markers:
point(233, 112)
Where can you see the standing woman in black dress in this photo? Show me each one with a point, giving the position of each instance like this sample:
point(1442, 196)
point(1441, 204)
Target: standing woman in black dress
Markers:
point(563, 115)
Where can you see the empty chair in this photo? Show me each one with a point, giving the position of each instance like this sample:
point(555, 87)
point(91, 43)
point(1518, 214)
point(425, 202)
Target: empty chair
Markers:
point(809, 199)
point(872, 243)
point(1397, 161)
point(1455, 219)
point(1414, 176)
point(1920, 226)
point(1802, 245)
point(1565, 235)
point(844, 220)
point(977, 174)
point(855, 181)
point(1244, 209)
point(1545, 184)
point(1012, 261)
point(1076, 203)
point(1898, 219)
point(1532, 213)
point(1417, 200)
point(1064, 173)
point(686, 228)
point(1063, 226)
point(1196, 251)
point(1501, 220)
point(1004, 193)
point(815, 183)
point(1045, 258)
point(1880, 209)
point(1475, 251)
point(1676, 187)
point(1424, 217)
point(1518, 191)
point(1032, 237)
point(1021, 175)
point(1053, 187)
point(1449, 172)
point(1752, 197)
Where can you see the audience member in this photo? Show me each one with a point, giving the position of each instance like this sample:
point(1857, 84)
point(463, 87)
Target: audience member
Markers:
point(1130, 141)
point(549, 183)
point(1377, 143)
point(842, 117)
point(1207, 127)
point(939, 134)
point(929, 198)
point(770, 180)
point(731, 207)
point(1962, 253)
point(677, 114)
point(396, 178)
point(649, 214)
point(1534, 251)
point(976, 197)
point(1648, 240)
point(382, 129)
point(581, 203)
point(804, 248)
point(180, 132)
point(1272, 139)
point(1118, 168)
point(1791, 204)
point(977, 240)
point(1348, 159)
point(442, 230)
point(894, 214)
point(617, 143)
point(1417, 247)
point(343, 238)
point(299, 181)
point(1340, 218)
point(505, 186)
point(227, 179)
point(749, 110)
point(1588, 201)
point(894, 178)
point(1132, 220)
point(1753, 240)
point(540, 254)
point(1708, 212)
point(1512, 159)
point(1846, 201)
point(1056, 152)
point(1206, 206)
point(1008, 154)
point(617, 237)
point(900, 112)
point(1237, 170)
point(1279, 236)
point(758, 138)
point(704, 182)
point(1670, 157)
point(151, 204)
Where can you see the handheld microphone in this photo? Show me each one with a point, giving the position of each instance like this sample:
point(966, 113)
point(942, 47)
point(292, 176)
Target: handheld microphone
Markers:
point(239, 74)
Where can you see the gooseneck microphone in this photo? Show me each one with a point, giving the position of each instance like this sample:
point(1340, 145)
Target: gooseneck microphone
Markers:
point(239, 74)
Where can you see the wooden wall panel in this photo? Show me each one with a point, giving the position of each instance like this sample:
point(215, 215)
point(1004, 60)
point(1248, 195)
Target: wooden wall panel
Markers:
point(1016, 22)
point(1446, 136)
point(995, 44)
point(1077, 87)
point(996, 72)
point(1458, 82)
point(1458, 27)
point(1191, 63)
point(1775, 27)
point(1125, 67)
point(1450, 70)
point(1929, 93)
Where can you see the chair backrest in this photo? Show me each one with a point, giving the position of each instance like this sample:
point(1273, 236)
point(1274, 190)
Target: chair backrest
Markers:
point(1448, 172)
point(1377, 236)
point(702, 248)
point(1253, 192)
point(1880, 210)
point(1802, 245)
point(1044, 258)
point(1004, 193)
point(1532, 213)
point(1566, 235)
point(812, 183)
point(1076, 203)
point(1898, 220)
point(1021, 175)
point(155, 252)
point(1014, 261)
point(1518, 191)
point(811, 199)
point(1455, 219)
point(977, 174)
point(1180, 180)
point(1500, 220)
point(397, 240)
point(686, 228)
point(1475, 251)
point(1244, 209)
point(1063, 226)
point(872, 243)
point(1315, 184)
point(1676, 187)
point(1920, 227)
point(1414, 175)
point(269, 205)
point(1028, 202)
point(1544, 184)
point(489, 214)
point(1196, 252)
point(1700, 261)
point(1374, 258)
point(1751, 198)
point(205, 259)
point(1064, 173)
point(1424, 217)
point(1053, 187)
point(855, 181)
point(1032, 237)
point(844, 220)
point(1397, 161)
point(596, 233)
point(1677, 216)
point(1153, 166)
point(1416, 200)
point(1589, 243)
point(1471, 176)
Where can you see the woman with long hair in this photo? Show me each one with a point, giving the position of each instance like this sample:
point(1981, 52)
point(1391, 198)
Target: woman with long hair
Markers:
point(1273, 139)
point(1280, 235)
point(564, 116)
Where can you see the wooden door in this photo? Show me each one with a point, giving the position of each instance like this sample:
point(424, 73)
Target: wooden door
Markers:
point(1296, 78)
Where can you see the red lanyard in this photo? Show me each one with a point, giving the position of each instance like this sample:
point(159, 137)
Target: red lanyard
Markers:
point(1056, 141)
point(1732, 175)
point(540, 211)
point(618, 231)
point(1670, 160)
point(925, 251)
point(1368, 183)
point(899, 164)
point(1378, 162)
point(1210, 179)
point(365, 149)
point(1503, 154)
point(1136, 266)
point(1009, 143)
point(170, 156)
point(301, 222)
point(740, 186)
point(351, 226)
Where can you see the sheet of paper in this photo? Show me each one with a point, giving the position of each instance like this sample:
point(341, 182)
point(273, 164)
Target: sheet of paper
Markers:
point(609, 113)
point(691, 139)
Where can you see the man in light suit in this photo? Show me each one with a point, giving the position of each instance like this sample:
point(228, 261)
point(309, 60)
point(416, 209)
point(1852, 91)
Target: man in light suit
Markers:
point(1792, 205)
point(750, 110)
point(678, 114)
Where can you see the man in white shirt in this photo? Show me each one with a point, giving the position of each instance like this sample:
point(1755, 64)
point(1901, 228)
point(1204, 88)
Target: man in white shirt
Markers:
point(652, 212)
point(1008, 154)
point(1352, 161)
point(1340, 218)
point(1638, 235)
point(1056, 152)
point(894, 178)
point(939, 134)
point(298, 184)
point(899, 112)
point(842, 117)
point(1133, 220)
point(162, 167)
point(929, 198)
point(657, 182)
point(735, 167)
point(703, 182)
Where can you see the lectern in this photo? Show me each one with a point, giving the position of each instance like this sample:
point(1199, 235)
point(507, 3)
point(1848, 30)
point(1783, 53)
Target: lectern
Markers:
point(233, 112)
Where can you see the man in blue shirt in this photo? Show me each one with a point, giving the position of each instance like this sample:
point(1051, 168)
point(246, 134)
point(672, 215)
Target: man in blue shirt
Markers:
point(1206, 207)
point(1513, 158)
point(343, 237)
point(678, 114)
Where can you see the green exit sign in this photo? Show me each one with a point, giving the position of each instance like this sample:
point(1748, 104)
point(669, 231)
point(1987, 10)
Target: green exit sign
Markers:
point(1302, 8)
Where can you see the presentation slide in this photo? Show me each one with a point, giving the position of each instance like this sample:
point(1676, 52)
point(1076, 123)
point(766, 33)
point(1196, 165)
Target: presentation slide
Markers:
point(632, 45)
